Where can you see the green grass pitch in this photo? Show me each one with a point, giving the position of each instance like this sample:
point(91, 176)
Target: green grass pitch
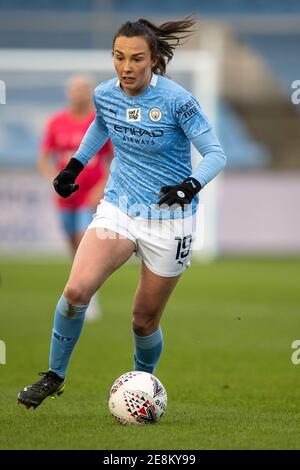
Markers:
point(226, 363)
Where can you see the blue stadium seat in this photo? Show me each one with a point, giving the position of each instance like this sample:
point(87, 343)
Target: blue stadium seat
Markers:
point(280, 52)
point(241, 149)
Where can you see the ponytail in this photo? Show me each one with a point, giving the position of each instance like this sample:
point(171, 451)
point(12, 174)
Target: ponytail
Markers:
point(162, 40)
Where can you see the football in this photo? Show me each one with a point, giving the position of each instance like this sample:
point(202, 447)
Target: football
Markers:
point(137, 398)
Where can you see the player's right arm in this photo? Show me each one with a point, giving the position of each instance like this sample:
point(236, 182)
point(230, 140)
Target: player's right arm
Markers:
point(94, 139)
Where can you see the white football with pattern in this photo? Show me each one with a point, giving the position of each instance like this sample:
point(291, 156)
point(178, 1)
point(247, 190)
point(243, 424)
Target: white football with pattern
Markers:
point(137, 398)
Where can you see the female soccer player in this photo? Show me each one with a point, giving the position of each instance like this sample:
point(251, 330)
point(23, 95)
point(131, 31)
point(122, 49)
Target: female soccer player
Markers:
point(149, 200)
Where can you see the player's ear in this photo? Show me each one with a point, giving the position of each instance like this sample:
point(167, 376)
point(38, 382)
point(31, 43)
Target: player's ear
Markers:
point(154, 61)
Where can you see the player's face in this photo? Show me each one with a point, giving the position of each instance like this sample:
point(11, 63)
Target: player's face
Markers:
point(133, 64)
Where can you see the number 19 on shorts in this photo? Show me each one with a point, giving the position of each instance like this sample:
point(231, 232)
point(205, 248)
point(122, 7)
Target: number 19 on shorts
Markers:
point(183, 247)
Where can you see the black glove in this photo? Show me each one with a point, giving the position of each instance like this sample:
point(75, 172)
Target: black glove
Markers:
point(64, 182)
point(180, 194)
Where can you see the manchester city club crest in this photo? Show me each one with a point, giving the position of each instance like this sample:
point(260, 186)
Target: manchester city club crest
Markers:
point(155, 114)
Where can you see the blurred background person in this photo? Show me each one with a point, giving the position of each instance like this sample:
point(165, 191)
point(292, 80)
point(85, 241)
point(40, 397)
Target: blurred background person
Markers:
point(63, 134)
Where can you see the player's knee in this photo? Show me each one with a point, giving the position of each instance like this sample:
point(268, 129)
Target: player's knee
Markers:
point(144, 323)
point(76, 295)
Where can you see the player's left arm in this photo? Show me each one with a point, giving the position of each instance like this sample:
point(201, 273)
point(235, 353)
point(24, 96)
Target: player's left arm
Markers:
point(198, 130)
point(214, 160)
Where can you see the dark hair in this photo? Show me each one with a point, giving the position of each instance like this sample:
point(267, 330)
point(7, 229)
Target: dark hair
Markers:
point(162, 40)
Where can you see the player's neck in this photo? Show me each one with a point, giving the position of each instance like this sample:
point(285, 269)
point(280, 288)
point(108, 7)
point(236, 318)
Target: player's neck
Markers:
point(80, 111)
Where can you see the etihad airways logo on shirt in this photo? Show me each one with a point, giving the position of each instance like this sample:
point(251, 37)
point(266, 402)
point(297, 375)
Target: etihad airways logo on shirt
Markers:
point(137, 132)
point(133, 115)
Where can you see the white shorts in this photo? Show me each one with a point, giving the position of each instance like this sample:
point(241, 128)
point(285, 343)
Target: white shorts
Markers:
point(163, 245)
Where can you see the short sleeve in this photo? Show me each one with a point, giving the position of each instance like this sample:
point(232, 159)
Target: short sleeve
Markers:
point(189, 116)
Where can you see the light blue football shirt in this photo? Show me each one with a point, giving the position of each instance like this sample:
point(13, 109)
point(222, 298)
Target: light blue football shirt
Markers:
point(151, 136)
